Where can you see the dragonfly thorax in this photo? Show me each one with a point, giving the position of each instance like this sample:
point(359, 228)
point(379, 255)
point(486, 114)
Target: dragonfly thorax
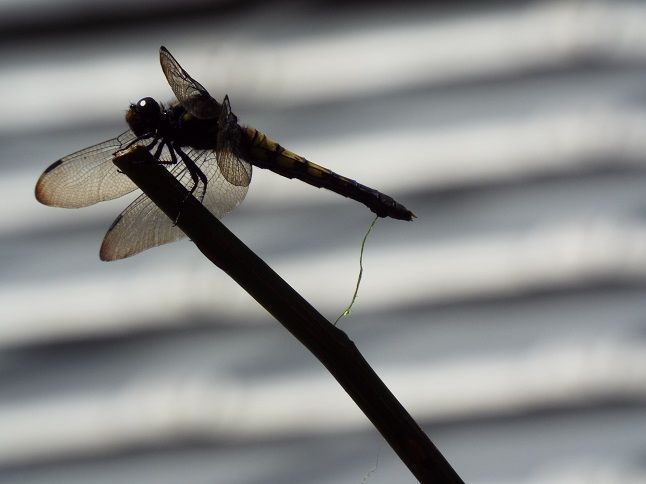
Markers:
point(144, 117)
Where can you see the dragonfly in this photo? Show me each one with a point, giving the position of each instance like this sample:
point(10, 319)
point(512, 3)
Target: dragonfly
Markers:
point(202, 144)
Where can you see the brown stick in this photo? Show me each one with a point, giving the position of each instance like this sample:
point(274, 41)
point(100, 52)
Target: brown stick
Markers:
point(329, 344)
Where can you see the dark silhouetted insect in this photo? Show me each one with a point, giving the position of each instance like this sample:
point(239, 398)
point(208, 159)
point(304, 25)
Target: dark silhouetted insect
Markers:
point(204, 147)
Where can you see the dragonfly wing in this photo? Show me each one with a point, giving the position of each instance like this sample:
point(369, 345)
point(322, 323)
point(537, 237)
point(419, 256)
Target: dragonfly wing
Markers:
point(140, 226)
point(143, 225)
point(190, 93)
point(236, 171)
point(85, 177)
point(221, 195)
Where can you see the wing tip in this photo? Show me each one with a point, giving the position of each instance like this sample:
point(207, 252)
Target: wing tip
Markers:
point(41, 194)
point(107, 252)
point(104, 254)
point(111, 250)
point(44, 195)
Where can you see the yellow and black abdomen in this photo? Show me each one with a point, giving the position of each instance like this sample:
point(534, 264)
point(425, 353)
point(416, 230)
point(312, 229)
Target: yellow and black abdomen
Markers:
point(263, 152)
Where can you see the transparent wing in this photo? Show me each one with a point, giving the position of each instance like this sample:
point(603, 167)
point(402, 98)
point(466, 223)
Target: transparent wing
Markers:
point(221, 195)
point(190, 93)
point(236, 171)
point(143, 225)
point(85, 177)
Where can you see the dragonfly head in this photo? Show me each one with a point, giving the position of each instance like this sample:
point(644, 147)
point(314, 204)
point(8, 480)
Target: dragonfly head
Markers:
point(144, 117)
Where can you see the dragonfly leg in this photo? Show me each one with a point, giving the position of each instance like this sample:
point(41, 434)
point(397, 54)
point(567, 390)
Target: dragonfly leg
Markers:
point(196, 175)
point(194, 170)
point(154, 140)
point(159, 149)
point(173, 156)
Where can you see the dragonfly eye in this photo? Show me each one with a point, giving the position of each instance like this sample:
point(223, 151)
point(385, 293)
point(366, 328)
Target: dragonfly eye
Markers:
point(144, 116)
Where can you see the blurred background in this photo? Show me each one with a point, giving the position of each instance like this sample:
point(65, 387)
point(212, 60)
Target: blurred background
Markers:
point(509, 318)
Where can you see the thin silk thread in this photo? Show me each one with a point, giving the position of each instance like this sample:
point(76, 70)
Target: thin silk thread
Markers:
point(346, 311)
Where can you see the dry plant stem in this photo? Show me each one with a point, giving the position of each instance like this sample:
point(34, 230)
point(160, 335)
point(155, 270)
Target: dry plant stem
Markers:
point(329, 344)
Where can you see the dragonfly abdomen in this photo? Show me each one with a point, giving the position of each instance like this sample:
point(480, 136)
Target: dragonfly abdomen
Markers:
point(263, 152)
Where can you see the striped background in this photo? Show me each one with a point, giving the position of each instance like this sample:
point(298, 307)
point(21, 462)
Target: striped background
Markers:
point(509, 318)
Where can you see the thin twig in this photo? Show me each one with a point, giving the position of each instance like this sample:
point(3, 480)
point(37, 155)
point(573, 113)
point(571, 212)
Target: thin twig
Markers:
point(329, 344)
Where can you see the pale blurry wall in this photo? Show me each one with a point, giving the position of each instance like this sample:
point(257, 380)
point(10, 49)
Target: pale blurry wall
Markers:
point(508, 318)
